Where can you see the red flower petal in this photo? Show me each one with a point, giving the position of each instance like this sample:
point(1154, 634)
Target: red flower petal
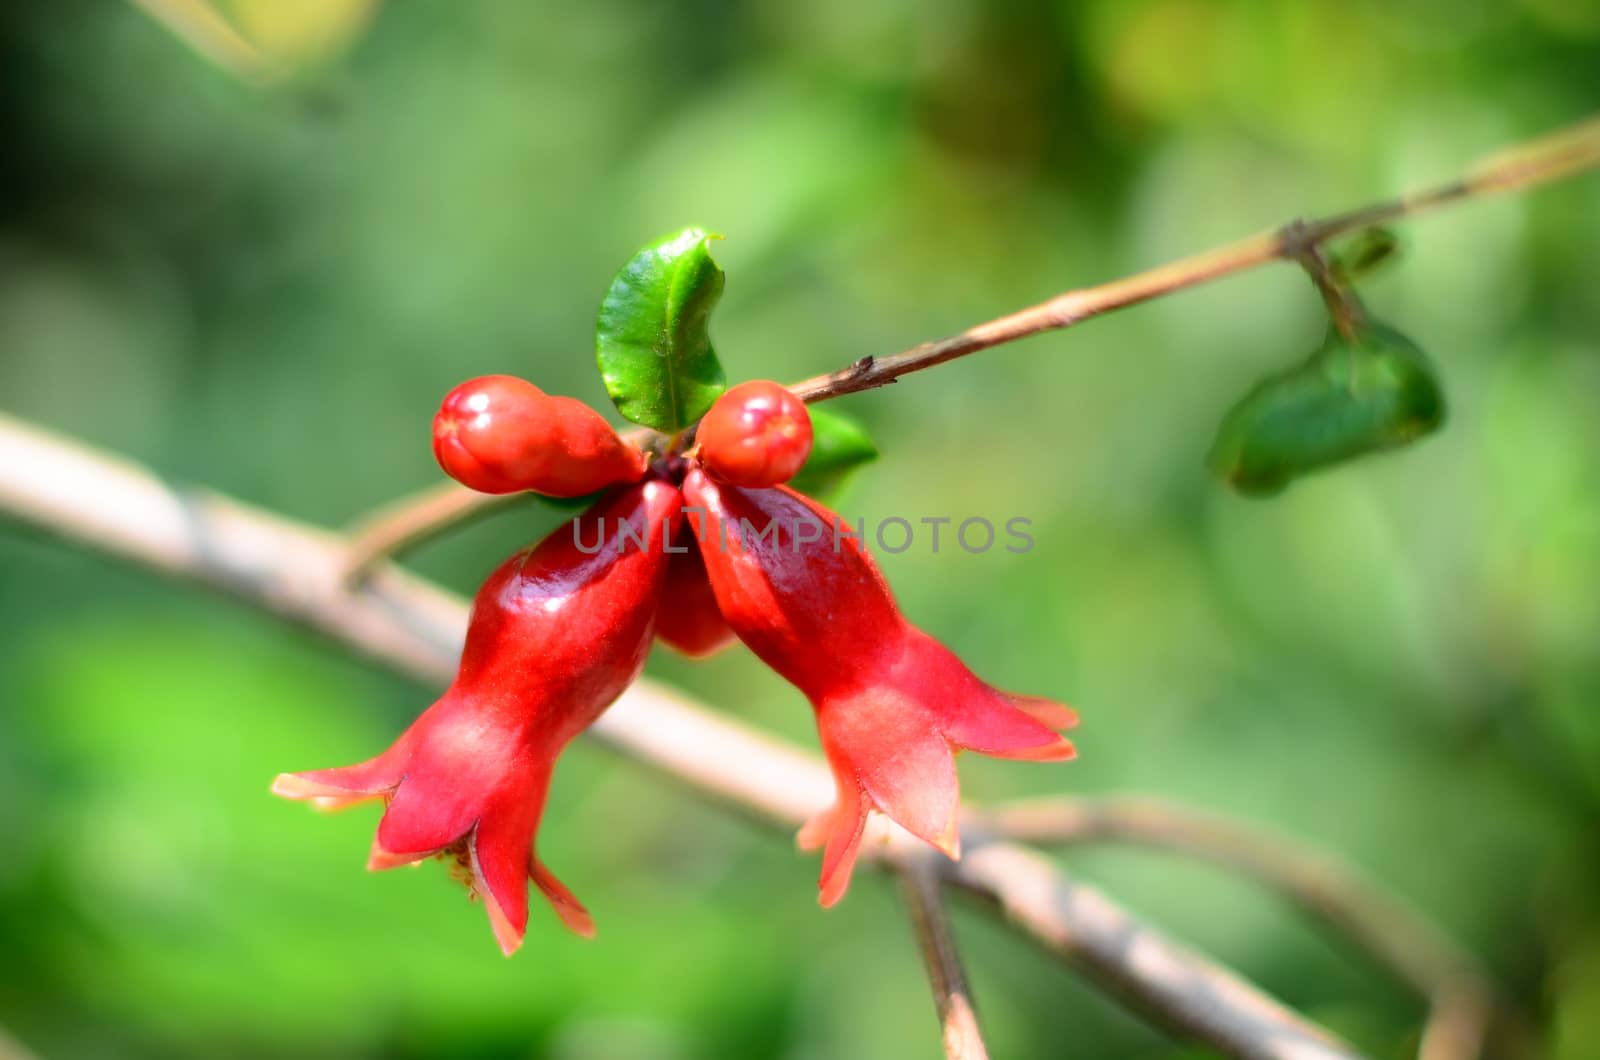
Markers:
point(507, 907)
point(1045, 711)
point(971, 714)
point(892, 704)
point(502, 854)
point(892, 748)
point(838, 830)
point(337, 789)
point(557, 633)
point(563, 901)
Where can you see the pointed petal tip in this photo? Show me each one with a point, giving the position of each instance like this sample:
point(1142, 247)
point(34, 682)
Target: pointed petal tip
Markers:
point(579, 922)
point(831, 887)
point(321, 796)
point(839, 858)
point(379, 859)
point(563, 901)
point(814, 833)
point(574, 917)
point(1058, 750)
point(1045, 711)
point(506, 934)
point(288, 786)
point(948, 842)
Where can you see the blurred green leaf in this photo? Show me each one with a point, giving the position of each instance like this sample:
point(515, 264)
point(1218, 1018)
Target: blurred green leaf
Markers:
point(652, 340)
point(1364, 253)
point(263, 40)
point(1348, 399)
point(569, 504)
point(1577, 1005)
point(297, 32)
point(839, 445)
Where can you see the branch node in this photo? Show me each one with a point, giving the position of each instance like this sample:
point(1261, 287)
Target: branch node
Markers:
point(1297, 238)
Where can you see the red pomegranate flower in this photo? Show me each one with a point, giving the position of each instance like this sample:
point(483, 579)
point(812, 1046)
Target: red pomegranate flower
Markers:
point(892, 704)
point(556, 634)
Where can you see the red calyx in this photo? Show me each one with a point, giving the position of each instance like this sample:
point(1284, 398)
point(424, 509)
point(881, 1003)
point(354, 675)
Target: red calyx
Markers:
point(892, 704)
point(687, 619)
point(501, 434)
point(756, 434)
point(556, 634)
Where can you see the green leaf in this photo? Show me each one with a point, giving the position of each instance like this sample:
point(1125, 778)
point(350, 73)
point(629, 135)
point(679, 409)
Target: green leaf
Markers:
point(652, 339)
point(839, 445)
point(1347, 400)
point(570, 504)
point(1364, 253)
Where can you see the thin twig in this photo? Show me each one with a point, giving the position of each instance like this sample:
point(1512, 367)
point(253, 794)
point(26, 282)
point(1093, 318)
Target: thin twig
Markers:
point(1397, 938)
point(958, 1017)
point(1344, 308)
point(1537, 162)
point(402, 525)
point(295, 571)
point(419, 517)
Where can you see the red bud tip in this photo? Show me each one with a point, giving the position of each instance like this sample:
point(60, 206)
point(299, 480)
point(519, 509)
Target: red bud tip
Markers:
point(501, 434)
point(757, 434)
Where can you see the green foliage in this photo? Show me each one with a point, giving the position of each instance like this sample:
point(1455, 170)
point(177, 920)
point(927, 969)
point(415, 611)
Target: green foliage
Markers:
point(1350, 398)
point(839, 445)
point(653, 338)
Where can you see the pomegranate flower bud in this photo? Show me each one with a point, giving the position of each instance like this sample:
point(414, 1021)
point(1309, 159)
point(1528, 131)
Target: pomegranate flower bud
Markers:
point(756, 434)
point(892, 703)
point(556, 634)
point(501, 434)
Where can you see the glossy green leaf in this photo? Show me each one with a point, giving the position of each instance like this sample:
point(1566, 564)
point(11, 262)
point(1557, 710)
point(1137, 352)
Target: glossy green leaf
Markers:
point(652, 339)
point(1347, 400)
point(839, 445)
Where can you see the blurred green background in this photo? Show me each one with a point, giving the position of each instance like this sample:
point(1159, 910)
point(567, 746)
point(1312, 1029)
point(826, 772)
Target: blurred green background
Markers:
point(266, 288)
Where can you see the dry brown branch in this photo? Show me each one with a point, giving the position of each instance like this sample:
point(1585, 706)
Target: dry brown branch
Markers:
point(117, 508)
point(1400, 940)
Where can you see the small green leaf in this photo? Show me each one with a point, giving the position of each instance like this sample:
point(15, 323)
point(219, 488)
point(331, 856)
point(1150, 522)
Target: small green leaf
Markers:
point(839, 445)
point(1365, 253)
point(652, 339)
point(1347, 400)
point(570, 504)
